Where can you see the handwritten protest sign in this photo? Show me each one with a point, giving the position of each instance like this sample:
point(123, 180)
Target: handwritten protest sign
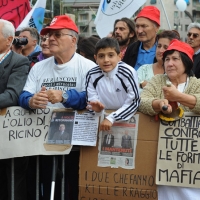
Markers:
point(106, 183)
point(25, 133)
point(178, 156)
point(14, 10)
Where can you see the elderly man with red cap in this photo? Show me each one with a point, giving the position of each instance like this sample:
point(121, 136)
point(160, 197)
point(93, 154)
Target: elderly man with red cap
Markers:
point(169, 95)
point(142, 52)
point(59, 81)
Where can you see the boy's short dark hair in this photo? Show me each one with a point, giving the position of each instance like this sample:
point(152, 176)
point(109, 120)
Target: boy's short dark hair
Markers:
point(107, 43)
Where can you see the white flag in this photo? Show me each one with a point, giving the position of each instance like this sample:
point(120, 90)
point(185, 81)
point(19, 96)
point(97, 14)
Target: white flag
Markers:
point(35, 17)
point(110, 10)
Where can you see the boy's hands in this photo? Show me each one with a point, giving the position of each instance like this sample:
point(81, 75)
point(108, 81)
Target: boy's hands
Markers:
point(105, 125)
point(95, 106)
point(98, 107)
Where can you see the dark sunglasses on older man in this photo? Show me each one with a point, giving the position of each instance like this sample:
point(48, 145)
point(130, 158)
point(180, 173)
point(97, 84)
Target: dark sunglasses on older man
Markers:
point(194, 35)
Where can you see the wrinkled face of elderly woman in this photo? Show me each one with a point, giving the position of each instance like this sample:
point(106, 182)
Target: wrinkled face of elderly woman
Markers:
point(174, 66)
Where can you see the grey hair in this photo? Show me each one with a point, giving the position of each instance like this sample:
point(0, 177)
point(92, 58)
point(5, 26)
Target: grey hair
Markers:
point(194, 25)
point(33, 32)
point(75, 34)
point(8, 28)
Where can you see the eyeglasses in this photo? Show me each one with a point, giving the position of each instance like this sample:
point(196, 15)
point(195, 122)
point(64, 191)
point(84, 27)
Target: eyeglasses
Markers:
point(195, 35)
point(58, 34)
point(43, 39)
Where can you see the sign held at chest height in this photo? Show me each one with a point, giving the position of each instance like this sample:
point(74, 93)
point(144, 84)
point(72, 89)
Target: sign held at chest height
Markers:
point(178, 155)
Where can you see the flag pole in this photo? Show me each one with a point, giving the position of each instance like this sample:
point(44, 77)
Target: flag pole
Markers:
point(52, 11)
point(166, 15)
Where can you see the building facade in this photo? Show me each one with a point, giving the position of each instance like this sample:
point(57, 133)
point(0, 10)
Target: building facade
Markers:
point(85, 12)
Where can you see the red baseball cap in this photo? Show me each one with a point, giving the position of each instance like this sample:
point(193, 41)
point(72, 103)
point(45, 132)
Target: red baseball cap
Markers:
point(182, 47)
point(60, 22)
point(150, 12)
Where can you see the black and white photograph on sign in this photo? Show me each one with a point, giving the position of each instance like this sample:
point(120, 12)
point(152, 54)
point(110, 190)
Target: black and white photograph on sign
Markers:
point(128, 161)
point(61, 128)
point(119, 144)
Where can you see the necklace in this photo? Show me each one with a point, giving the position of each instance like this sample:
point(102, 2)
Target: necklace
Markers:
point(4, 56)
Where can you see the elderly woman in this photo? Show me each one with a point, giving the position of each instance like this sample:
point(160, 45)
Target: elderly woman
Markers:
point(185, 90)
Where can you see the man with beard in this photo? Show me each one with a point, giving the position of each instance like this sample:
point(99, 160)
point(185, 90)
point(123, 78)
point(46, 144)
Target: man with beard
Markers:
point(143, 51)
point(124, 32)
point(193, 39)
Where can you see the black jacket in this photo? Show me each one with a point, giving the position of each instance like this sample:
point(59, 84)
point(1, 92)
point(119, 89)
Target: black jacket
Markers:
point(196, 65)
point(131, 54)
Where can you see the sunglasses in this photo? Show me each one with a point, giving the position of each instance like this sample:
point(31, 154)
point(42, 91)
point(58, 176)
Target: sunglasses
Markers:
point(194, 35)
point(58, 34)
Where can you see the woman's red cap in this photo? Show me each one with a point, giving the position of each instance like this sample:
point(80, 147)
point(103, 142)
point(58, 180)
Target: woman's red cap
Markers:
point(182, 47)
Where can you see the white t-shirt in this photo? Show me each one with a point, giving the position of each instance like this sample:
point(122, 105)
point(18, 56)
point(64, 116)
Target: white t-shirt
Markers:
point(70, 75)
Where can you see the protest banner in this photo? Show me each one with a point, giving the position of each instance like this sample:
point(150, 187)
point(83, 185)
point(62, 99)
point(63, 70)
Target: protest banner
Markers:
point(110, 10)
point(35, 17)
point(178, 156)
point(26, 133)
point(14, 10)
point(106, 183)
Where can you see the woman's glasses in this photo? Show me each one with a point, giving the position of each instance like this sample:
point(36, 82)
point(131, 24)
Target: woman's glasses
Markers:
point(43, 39)
point(194, 35)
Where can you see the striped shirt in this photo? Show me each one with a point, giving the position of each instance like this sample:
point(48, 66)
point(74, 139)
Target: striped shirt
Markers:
point(117, 90)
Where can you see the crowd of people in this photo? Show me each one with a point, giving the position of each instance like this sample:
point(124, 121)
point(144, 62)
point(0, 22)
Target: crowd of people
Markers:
point(126, 71)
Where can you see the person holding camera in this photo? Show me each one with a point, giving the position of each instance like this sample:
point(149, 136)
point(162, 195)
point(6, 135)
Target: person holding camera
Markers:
point(32, 49)
point(18, 43)
point(14, 70)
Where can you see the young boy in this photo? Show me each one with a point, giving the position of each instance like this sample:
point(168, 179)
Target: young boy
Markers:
point(112, 84)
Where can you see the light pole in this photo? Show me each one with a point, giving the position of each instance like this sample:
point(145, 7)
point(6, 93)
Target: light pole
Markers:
point(165, 14)
point(52, 11)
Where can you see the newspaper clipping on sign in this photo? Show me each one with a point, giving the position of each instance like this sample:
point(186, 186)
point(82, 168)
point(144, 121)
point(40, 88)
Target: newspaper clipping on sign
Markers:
point(73, 128)
point(117, 147)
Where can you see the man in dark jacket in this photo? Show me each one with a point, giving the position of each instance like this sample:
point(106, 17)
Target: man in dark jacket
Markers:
point(14, 69)
point(108, 140)
point(193, 39)
point(147, 24)
point(126, 141)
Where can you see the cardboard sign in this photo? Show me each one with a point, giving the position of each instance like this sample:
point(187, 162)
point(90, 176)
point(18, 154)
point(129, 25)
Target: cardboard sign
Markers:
point(178, 155)
point(105, 183)
point(24, 133)
point(27, 133)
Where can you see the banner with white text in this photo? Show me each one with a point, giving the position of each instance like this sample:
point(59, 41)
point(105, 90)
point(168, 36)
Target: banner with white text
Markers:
point(110, 10)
